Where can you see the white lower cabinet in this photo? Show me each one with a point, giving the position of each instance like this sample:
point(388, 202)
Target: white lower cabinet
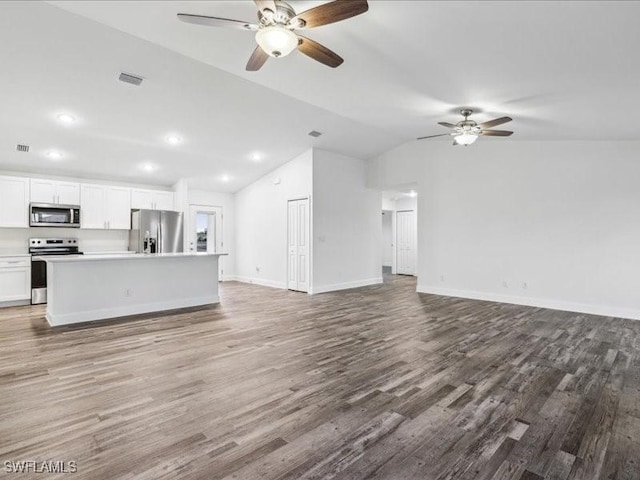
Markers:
point(103, 207)
point(15, 279)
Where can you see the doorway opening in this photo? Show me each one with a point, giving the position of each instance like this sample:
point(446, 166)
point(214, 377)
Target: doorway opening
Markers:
point(387, 241)
point(205, 231)
point(400, 231)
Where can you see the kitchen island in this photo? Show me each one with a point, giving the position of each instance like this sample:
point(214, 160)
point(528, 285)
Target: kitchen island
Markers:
point(96, 287)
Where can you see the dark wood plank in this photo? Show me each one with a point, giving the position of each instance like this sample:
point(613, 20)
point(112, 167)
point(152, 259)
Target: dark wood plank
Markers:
point(377, 382)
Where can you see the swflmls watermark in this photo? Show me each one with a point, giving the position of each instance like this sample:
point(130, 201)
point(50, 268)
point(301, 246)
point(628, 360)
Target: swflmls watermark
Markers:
point(35, 466)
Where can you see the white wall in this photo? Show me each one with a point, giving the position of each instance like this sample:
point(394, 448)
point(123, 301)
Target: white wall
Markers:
point(228, 204)
point(261, 221)
point(558, 223)
point(17, 239)
point(347, 230)
point(387, 238)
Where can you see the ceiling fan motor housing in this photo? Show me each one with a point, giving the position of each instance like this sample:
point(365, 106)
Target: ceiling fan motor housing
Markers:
point(283, 14)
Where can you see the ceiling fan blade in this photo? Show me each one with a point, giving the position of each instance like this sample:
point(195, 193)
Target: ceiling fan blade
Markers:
point(433, 136)
point(257, 59)
point(215, 21)
point(496, 133)
point(318, 52)
point(495, 123)
point(447, 124)
point(332, 12)
point(266, 4)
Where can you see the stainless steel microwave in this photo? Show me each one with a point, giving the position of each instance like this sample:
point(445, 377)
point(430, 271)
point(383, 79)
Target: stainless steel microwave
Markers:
point(53, 215)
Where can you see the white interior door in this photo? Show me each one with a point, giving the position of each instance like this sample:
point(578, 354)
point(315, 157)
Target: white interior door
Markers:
point(406, 242)
point(205, 231)
point(298, 245)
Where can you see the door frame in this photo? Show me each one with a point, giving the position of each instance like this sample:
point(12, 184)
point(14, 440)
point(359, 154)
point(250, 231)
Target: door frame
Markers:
point(392, 216)
point(310, 236)
point(208, 209)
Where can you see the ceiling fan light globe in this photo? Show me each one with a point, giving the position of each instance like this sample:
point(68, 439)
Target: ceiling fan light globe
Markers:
point(465, 139)
point(276, 41)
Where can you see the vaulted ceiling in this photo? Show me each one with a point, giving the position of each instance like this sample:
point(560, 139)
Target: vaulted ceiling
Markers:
point(562, 70)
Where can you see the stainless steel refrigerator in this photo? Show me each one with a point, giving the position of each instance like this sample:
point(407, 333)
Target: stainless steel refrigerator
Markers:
point(156, 231)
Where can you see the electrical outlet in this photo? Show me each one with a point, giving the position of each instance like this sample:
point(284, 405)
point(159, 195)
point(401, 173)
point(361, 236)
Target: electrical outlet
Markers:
point(127, 292)
point(524, 285)
point(505, 284)
point(442, 278)
point(258, 269)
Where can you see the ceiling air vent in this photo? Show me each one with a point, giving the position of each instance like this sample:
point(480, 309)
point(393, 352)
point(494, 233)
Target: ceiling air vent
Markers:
point(22, 148)
point(313, 133)
point(132, 79)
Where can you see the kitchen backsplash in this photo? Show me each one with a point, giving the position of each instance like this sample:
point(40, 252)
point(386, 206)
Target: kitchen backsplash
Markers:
point(89, 240)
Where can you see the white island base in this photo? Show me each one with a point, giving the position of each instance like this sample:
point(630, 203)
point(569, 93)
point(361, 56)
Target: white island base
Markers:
point(87, 288)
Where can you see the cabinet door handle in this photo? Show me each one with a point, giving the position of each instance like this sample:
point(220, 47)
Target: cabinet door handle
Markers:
point(13, 261)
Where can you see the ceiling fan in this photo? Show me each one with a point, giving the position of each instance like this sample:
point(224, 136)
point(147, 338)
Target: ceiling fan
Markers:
point(467, 131)
point(277, 23)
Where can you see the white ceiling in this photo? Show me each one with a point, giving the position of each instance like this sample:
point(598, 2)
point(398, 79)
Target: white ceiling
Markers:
point(562, 70)
point(54, 61)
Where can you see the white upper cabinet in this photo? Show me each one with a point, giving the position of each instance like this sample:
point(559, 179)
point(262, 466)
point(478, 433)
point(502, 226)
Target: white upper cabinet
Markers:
point(118, 207)
point(142, 199)
point(14, 202)
point(104, 207)
point(152, 199)
point(51, 191)
point(92, 207)
point(163, 201)
point(68, 193)
point(43, 191)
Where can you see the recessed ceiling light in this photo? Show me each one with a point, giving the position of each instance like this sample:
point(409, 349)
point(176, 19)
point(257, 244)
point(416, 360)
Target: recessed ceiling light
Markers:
point(225, 178)
point(147, 167)
point(413, 193)
point(54, 155)
point(256, 157)
point(66, 118)
point(174, 139)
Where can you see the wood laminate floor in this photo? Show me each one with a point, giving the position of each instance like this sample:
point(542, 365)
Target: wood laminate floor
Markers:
point(372, 383)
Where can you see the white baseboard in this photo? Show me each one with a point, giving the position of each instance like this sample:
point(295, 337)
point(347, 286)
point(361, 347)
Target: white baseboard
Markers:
point(260, 281)
point(347, 285)
point(123, 311)
point(601, 310)
point(15, 303)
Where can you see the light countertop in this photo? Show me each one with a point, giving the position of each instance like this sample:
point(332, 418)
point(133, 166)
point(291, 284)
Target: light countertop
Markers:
point(13, 253)
point(111, 252)
point(122, 256)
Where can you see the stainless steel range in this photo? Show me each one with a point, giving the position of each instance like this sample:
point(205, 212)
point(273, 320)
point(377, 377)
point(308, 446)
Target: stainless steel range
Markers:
point(40, 247)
